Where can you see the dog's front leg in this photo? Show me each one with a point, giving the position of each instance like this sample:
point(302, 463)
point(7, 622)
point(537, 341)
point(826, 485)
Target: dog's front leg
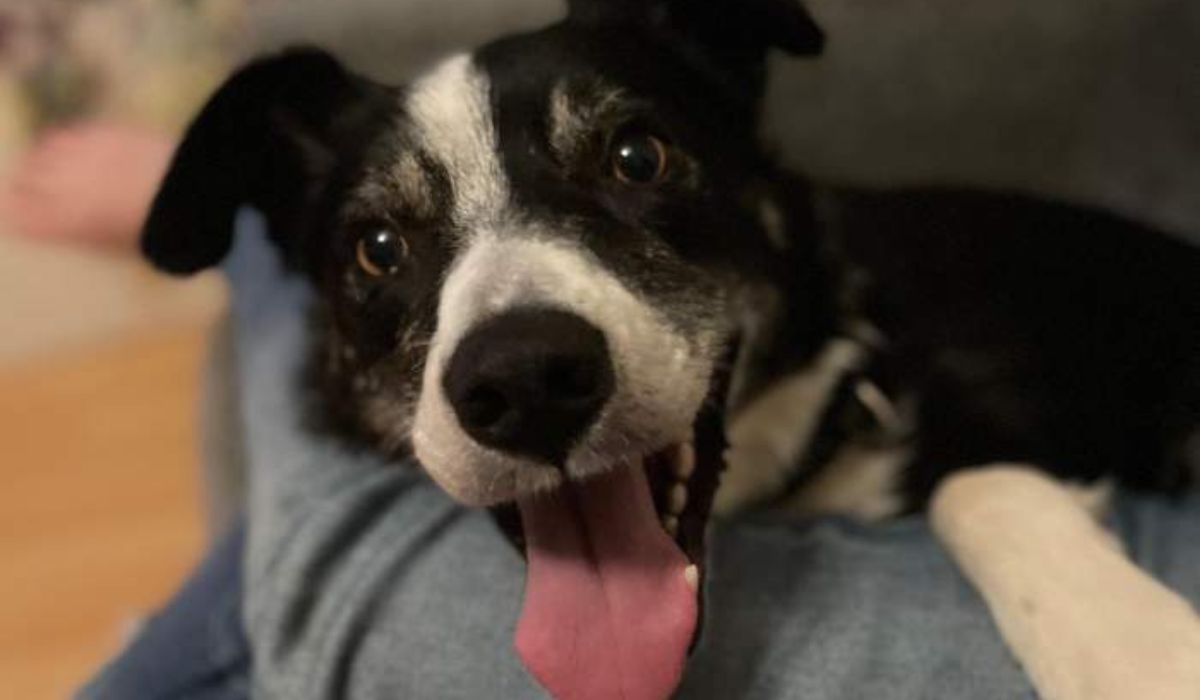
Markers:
point(1085, 623)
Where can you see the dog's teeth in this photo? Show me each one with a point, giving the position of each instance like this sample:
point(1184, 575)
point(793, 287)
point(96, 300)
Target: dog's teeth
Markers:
point(692, 576)
point(671, 525)
point(685, 461)
point(678, 499)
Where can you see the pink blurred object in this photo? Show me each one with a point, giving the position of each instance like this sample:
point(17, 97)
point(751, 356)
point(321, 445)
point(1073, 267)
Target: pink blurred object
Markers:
point(90, 183)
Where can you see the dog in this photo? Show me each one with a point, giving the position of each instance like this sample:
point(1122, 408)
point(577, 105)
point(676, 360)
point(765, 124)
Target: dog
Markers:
point(562, 272)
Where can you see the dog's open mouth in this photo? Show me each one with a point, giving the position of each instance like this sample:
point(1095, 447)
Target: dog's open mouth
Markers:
point(613, 595)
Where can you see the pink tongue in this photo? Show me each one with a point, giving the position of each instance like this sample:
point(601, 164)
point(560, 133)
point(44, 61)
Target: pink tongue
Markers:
point(608, 613)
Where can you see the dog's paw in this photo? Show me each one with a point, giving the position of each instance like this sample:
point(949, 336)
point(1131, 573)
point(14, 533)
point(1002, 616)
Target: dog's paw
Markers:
point(1139, 644)
point(1083, 620)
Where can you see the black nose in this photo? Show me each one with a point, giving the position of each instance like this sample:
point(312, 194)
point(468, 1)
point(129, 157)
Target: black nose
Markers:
point(530, 382)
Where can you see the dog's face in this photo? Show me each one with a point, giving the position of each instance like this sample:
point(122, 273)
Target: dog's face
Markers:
point(533, 260)
point(594, 190)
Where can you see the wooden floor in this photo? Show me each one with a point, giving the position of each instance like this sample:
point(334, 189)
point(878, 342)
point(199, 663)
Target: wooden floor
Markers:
point(99, 513)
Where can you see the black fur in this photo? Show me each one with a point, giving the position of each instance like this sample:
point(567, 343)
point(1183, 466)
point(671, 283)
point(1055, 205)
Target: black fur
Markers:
point(1022, 330)
point(277, 135)
point(1030, 332)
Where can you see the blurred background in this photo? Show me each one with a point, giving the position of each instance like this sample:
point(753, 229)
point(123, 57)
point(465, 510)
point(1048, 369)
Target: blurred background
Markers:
point(99, 357)
point(103, 363)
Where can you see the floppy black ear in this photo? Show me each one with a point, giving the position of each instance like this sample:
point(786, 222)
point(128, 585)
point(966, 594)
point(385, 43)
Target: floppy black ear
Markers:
point(730, 27)
point(272, 136)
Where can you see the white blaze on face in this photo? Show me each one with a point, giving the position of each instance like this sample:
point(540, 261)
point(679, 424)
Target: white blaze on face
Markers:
point(451, 111)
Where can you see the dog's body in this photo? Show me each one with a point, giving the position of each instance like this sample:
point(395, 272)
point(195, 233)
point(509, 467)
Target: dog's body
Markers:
point(1004, 328)
point(555, 268)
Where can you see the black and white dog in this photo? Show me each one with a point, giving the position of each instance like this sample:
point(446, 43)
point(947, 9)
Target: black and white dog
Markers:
point(561, 270)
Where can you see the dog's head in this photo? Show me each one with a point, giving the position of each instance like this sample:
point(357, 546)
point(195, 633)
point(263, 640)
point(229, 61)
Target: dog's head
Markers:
point(532, 263)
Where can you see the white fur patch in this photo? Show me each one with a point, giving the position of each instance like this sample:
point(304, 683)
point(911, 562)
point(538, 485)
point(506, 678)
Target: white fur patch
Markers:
point(1081, 618)
point(451, 111)
point(860, 482)
point(767, 437)
point(661, 377)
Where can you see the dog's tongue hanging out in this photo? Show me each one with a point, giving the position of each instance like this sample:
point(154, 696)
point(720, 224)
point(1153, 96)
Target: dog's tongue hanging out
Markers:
point(609, 611)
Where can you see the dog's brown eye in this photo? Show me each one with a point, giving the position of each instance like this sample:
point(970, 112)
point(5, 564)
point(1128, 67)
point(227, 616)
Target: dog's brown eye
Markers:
point(639, 159)
point(381, 252)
